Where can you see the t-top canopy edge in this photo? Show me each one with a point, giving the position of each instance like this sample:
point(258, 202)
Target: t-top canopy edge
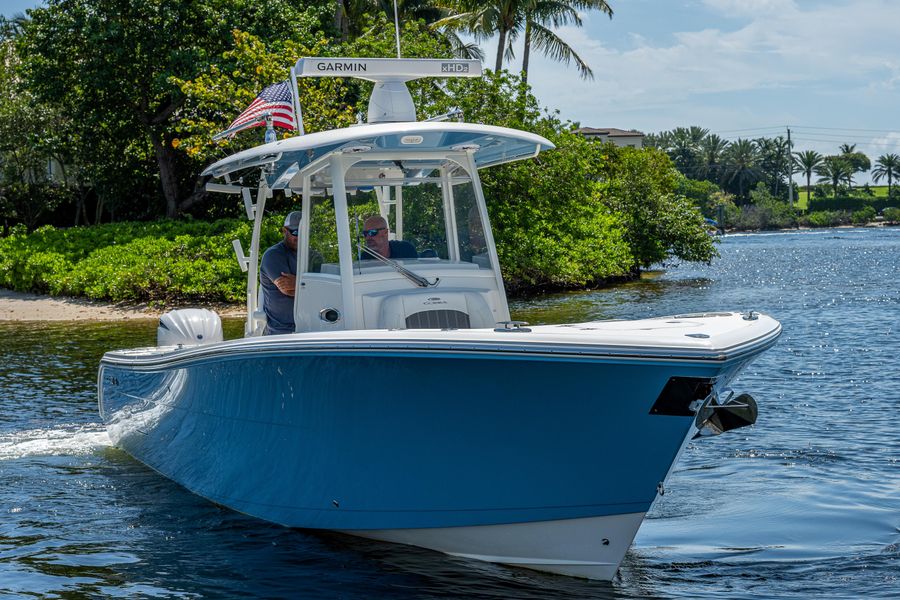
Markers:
point(492, 145)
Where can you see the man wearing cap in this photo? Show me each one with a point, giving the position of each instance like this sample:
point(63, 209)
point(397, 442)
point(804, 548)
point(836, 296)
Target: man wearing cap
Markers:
point(278, 277)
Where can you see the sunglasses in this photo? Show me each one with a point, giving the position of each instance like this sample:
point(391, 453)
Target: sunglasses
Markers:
point(372, 232)
point(294, 231)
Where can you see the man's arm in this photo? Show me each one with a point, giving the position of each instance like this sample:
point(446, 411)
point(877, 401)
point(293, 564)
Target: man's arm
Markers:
point(277, 269)
point(286, 284)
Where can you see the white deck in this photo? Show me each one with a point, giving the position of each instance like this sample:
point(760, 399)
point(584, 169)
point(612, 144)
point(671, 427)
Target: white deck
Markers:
point(722, 336)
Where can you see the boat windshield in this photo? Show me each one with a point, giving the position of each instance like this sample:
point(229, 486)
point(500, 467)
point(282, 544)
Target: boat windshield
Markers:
point(431, 213)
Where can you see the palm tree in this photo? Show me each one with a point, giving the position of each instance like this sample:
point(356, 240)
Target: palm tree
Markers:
point(697, 134)
point(712, 149)
point(541, 15)
point(660, 141)
point(887, 165)
point(509, 18)
point(742, 165)
point(684, 150)
point(775, 160)
point(431, 13)
point(833, 170)
point(484, 20)
point(808, 161)
point(856, 162)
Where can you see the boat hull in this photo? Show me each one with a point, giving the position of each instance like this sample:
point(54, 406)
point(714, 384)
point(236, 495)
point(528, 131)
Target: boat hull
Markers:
point(539, 460)
point(590, 547)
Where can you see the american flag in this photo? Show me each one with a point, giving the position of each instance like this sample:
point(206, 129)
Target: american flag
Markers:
point(276, 99)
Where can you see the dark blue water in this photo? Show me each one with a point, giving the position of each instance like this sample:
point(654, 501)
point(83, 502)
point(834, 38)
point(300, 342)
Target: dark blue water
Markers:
point(804, 504)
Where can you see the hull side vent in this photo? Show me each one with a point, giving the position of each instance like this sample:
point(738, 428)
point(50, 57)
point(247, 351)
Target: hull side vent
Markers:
point(679, 393)
point(438, 319)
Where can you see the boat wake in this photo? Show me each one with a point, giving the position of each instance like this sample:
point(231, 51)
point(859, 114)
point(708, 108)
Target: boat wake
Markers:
point(69, 440)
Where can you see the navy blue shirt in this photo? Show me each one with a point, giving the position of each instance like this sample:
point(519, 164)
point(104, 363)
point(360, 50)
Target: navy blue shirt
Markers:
point(399, 249)
point(279, 308)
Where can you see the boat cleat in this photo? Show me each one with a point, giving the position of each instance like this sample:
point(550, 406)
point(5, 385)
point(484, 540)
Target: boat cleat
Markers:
point(512, 326)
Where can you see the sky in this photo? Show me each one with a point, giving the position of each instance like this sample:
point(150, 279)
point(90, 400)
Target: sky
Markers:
point(828, 69)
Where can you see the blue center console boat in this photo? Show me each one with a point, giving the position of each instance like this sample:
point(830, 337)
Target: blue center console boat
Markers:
point(406, 406)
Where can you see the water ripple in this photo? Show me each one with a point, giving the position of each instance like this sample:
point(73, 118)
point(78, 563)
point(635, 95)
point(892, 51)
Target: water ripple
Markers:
point(805, 503)
point(71, 440)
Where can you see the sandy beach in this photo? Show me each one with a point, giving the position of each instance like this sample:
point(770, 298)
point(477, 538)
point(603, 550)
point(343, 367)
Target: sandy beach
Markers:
point(18, 306)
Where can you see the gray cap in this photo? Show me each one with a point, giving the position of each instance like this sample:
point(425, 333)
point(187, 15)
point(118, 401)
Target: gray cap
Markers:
point(293, 219)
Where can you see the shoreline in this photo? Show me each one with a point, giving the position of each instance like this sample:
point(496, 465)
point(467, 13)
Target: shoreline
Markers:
point(869, 225)
point(23, 307)
point(20, 306)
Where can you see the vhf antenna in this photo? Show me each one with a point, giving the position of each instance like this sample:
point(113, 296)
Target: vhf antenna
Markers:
point(397, 28)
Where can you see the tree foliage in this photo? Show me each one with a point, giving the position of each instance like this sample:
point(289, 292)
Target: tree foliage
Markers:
point(144, 85)
point(808, 161)
point(579, 196)
point(113, 66)
point(887, 167)
point(834, 170)
point(535, 20)
point(164, 261)
point(660, 223)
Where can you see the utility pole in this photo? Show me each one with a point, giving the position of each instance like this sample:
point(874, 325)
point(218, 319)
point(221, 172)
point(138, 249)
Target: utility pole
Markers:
point(790, 166)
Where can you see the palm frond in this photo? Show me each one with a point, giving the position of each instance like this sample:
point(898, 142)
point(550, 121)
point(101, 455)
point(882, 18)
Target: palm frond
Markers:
point(462, 49)
point(553, 47)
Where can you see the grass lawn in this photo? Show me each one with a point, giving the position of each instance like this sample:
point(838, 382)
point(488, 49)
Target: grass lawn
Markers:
point(881, 191)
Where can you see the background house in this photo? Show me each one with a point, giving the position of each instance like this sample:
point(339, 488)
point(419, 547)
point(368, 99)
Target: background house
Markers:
point(619, 137)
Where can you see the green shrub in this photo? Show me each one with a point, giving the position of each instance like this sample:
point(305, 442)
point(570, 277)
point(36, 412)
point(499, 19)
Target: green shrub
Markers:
point(163, 261)
point(705, 195)
point(764, 212)
point(861, 217)
point(551, 225)
point(891, 214)
point(641, 187)
point(825, 218)
point(849, 203)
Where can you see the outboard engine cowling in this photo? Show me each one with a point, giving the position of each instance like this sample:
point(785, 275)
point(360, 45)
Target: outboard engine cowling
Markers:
point(189, 327)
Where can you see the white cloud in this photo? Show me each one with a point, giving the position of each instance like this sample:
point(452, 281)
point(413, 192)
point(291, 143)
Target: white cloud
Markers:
point(887, 144)
point(753, 64)
point(851, 44)
point(890, 80)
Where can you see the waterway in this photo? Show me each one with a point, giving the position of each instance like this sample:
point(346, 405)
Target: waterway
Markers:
point(805, 503)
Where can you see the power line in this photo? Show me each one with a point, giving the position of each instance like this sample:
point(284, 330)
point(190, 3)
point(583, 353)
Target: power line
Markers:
point(779, 127)
point(837, 141)
point(833, 135)
point(812, 130)
point(817, 138)
point(846, 129)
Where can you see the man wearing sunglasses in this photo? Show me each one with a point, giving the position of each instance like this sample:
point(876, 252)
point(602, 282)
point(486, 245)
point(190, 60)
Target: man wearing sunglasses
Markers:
point(375, 231)
point(278, 277)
